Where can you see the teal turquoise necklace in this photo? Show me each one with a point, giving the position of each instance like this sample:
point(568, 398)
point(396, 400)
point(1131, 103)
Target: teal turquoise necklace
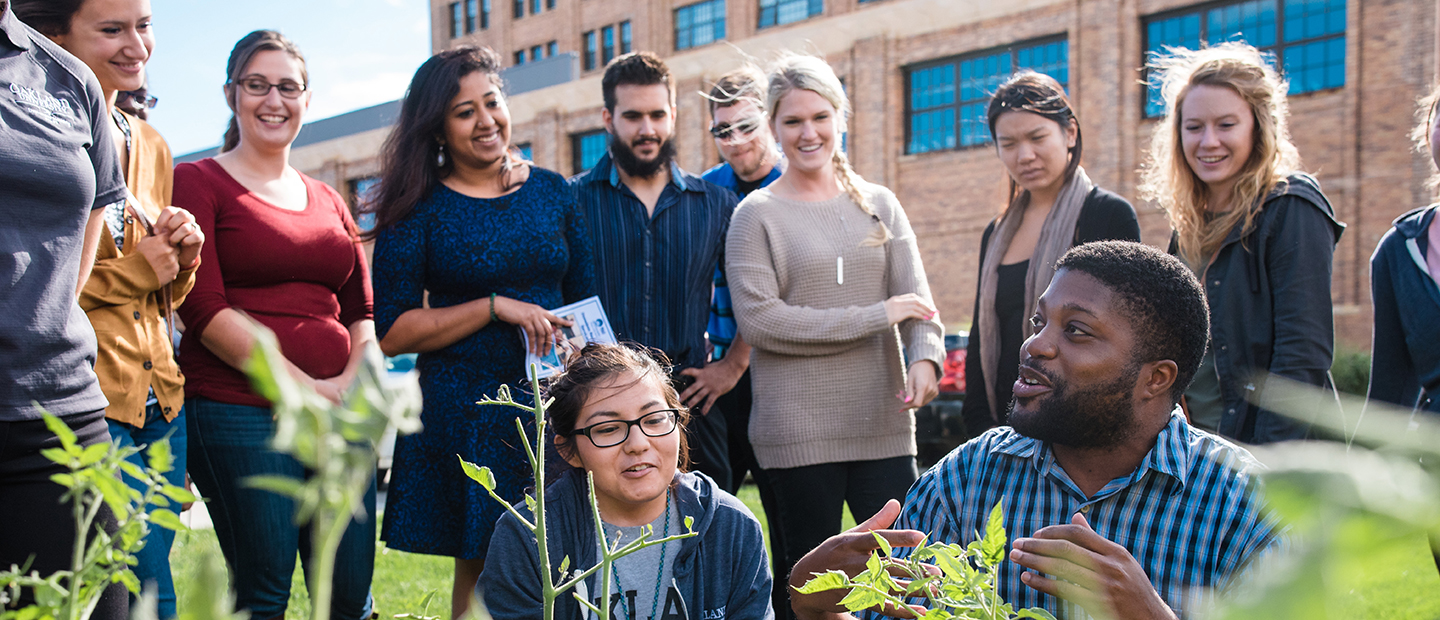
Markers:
point(615, 571)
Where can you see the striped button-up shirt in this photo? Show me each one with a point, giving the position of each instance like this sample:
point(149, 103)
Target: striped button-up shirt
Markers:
point(654, 272)
point(1191, 514)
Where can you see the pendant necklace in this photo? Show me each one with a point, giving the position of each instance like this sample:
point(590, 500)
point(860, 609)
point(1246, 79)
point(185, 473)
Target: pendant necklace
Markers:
point(615, 572)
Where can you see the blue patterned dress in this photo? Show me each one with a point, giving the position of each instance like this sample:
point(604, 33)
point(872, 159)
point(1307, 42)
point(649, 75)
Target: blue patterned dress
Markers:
point(530, 245)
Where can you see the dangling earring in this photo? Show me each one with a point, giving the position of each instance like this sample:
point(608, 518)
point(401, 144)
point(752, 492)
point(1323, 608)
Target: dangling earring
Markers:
point(440, 158)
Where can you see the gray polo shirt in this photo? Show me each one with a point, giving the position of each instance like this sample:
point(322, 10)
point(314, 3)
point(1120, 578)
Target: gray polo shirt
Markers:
point(57, 163)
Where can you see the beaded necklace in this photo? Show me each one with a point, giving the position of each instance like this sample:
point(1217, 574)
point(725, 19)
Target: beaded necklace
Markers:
point(615, 571)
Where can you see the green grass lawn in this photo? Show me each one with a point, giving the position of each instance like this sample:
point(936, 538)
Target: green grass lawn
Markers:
point(1409, 589)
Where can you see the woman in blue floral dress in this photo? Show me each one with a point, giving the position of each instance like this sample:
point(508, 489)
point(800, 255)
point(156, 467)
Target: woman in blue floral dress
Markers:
point(494, 241)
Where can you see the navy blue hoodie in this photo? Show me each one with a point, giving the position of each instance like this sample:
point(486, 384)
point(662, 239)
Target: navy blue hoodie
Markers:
point(721, 573)
point(1405, 358)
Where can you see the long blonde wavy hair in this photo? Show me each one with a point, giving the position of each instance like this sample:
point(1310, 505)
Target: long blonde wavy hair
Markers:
point(1425, 111)
point(1167, 177)
point(793, 72)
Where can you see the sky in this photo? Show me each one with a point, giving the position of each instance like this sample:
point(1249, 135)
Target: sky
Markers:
point(359, 53)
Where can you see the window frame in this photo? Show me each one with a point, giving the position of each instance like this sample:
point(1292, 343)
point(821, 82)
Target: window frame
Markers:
point(810, 12)
point(576, 152)
point(607, 44)
point(518, 57)
point(592, 49)
point(627, 43)
point(1201, 9)
point(519, 7)
point(457, 19)
point(675, 23)
point(955, 60)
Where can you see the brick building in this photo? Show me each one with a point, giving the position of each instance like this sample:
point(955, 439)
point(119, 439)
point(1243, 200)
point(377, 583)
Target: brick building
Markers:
point(917, 72)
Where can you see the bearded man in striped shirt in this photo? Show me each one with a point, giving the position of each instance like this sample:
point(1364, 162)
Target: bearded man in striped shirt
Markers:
point(1122, 509)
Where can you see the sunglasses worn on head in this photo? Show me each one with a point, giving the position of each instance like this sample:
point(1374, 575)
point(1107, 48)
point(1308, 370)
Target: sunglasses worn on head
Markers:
point(258, 87)
point(657, 423)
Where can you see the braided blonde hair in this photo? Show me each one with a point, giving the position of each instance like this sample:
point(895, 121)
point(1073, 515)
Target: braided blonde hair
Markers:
point(793, 72)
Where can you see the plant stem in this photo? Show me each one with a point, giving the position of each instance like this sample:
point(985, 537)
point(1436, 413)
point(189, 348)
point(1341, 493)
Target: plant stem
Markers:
point(537, 465)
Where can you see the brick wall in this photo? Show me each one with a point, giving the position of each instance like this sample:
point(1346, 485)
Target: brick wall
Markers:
point(1352, 138)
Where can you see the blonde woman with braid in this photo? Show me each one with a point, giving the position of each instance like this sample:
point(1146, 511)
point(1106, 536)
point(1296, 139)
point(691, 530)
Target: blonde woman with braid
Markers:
point(827, 286)
point(1258, 232)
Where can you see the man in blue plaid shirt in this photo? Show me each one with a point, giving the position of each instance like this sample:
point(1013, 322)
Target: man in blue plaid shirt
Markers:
point(1122, 509)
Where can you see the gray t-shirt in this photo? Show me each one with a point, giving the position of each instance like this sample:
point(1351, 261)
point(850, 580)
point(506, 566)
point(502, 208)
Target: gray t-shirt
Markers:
point(641, 572)
point(57, 163)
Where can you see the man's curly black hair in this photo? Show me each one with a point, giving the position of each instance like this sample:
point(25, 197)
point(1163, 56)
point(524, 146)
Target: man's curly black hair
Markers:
point(1159, 295)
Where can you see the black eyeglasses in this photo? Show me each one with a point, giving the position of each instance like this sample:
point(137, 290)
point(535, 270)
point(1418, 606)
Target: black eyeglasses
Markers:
point(657, 423)
point(258, 87)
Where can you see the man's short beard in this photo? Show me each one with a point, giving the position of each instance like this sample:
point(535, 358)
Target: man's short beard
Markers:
point(624, 156)
point(1096, 416)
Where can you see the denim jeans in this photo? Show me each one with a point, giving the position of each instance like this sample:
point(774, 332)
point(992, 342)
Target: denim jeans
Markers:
point(257, 531)
point(153, 568)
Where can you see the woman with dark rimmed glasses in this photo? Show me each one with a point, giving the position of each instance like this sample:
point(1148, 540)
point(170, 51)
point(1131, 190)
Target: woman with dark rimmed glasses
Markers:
point(616, 417)
point(283, 251)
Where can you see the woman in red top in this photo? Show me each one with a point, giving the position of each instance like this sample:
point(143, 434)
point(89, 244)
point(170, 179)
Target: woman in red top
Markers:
point(283, 251)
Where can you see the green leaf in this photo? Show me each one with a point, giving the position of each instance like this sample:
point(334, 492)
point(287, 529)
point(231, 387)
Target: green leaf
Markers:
point(282, 485)
point(937, 614)
point(830, 580)
point(159, 456)
point(689, 524)
point(479, 474)
point(61, 430)
point(1036, 613)
point(179, 494)
point(167, 519)
point(132, 583)
point(919, 585)
point(992, 550)
point(860, 598)
point(530, 503)
point(873, 565)
point(564, 565)
point(883, 544)
point(92, 454)
point(952, 567)
point(64, 480)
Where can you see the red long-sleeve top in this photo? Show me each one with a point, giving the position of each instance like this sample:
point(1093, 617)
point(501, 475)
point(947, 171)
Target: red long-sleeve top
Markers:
point(300, 273)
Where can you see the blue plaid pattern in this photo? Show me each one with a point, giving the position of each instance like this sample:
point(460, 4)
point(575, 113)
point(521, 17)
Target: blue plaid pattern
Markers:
point(1190, 514)
point(721, 327)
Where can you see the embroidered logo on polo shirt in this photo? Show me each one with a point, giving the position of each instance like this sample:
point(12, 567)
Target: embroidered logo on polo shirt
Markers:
point(57, 109)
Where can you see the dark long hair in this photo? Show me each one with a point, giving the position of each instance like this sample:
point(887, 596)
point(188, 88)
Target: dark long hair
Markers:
point(240, 56)
point(408, 169)
point(48, 17)
point(1036, 93)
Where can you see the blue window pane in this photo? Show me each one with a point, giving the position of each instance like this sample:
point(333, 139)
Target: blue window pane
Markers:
point(457, 20)
point(932, 87)
point(974, 128)
point(1052, 59)
point(588, 149)
point(1252, 22)
point(776, 12)
point(699, 24)
point(932, 131)
point(1180, 31)
point(981, 76)
point(1315, 66)
point(1307, 19)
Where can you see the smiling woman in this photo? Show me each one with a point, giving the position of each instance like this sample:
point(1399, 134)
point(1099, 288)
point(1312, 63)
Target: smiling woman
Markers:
point(471, 242)
point(1258, 232)
point(265, 218)
point(616, 417)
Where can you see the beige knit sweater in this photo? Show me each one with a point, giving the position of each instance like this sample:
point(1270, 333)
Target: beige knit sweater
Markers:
point(826, 365)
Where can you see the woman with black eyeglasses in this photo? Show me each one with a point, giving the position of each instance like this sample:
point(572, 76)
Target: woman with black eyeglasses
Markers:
point(283, 251)
point(616, 417)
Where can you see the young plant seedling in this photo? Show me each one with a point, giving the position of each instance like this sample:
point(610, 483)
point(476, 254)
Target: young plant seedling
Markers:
point(964, 587)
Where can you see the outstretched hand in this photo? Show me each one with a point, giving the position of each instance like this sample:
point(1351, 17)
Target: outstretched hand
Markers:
point(846, 552)
point(1089, 570)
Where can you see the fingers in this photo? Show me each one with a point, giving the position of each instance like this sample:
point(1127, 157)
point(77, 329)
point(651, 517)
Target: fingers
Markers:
point(1059, 558)
point(1062, 589)
point(709, 402)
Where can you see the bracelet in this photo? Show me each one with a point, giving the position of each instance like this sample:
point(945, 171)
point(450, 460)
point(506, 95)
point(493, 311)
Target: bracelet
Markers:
point(493, 318)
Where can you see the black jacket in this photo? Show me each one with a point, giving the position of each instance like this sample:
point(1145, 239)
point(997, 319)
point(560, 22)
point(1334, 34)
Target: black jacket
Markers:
point(1103, 216)
point(1270, 308)
point(1405, 359)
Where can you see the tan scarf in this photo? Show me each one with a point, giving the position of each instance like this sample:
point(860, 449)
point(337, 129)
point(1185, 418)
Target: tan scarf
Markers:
point(1056, 237)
